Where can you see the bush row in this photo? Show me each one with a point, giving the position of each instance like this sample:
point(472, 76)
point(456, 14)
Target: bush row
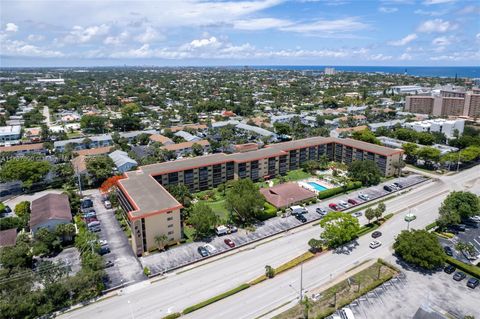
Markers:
point(469, 269)
point(215, 299)
point(174, 315)
point(430, 226)
point(338, 190)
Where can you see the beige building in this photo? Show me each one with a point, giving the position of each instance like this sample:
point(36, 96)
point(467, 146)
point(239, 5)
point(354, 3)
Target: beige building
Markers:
point(419, 104)
point(152, 211)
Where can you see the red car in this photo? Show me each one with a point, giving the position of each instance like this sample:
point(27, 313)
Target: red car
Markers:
point(229, 243)
point(352, 201)
point(90, 219)
point(333, 206)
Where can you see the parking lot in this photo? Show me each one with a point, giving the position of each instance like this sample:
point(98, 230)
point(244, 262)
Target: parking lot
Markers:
point(188, 253)
point(126, 268)
point(470, 235)
point(401, 297)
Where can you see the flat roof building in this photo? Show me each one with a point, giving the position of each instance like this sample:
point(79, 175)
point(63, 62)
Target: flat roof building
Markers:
point(151, 210)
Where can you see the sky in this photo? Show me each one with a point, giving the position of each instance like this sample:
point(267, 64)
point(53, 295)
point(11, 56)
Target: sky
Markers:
point(246, 32)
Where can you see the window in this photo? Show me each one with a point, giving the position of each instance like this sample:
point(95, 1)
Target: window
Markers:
point(170, 218)
point(170, 232)
point(170, 226)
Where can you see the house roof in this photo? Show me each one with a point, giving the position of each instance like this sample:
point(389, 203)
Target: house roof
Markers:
point(8, 237)
point(184, 145)
point(160, 138)
point(192, 126)
point(120, 158)
point(22, 147)
point(79, 164)
point(246, 147)
point(94, 151)
point(50, 207)
point(286, 194)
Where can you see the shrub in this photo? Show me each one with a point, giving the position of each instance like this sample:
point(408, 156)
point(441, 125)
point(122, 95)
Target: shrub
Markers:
point(146, 271)
point(215, 299)
point(268, 212)
point(338, 190)
point(430, 226)
point(174, 315)
point(469, 269)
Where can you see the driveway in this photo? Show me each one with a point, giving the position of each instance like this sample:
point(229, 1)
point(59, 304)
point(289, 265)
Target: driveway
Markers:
point(188, 253)
point(126, 267)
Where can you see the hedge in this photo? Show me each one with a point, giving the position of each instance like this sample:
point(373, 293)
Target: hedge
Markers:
point(174, 315)
point(268, 212)
point(338, 190)
point(215, 299)
point(469, 269)
point(430, 226)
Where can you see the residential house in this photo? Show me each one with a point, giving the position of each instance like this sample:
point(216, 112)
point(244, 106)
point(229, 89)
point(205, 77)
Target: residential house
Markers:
point(49, 211)
point(122, 161)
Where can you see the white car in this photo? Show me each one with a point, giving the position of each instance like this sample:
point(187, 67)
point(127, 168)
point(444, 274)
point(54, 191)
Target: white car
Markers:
point(375, 244)
point(343, 204)
point(107, 204)
point(475, 218)
point(364, 197)
point(212, 250)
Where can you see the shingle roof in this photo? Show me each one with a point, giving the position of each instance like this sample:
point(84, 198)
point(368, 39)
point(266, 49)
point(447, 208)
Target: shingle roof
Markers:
point(48, 207)
point(8, 237)
point(120, 158)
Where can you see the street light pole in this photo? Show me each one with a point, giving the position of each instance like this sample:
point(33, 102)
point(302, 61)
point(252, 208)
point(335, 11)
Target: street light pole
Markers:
point(301, 282)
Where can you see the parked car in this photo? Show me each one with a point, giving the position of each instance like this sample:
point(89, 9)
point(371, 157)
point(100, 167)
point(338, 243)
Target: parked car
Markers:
point(357, 214)
point(104, 250)
point(352, 201)
point(344, 204)
point(7, 209)
point(90, 220)
point(321, 211)
point(375, 244)
point(387, 188)
point(333, 206)
point(107, 204)
point(229, 242)
point(376, 234)
point(476, 218)
point(90, 214)
point(459, 227)
point(221, 230)
point(232, 229)
point(473, 283)
point(398, 185)
point(109, 264)
point(364, 197)
point(459, 276)
point(449, 269)
point(202, 251)
point(448, 251)
point(86, 203)
point(297, 210)
point(210, 248)
point(301, 218)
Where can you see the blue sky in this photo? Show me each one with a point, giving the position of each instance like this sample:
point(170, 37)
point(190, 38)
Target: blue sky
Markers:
point(250, 32)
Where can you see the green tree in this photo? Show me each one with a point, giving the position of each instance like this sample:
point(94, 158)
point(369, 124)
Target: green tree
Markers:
point(22, 209)
point(366, 172)
point(369, 214)
point(381, 208)
point(100, 168)
point(197, 149)
point(269, 271)
point(46, 242)
point(410, 152)
point(16, 256)
point(161, 241)
point(26, 170)
point(282, 128)
point(338, 228)
point(93, 124)
point(315, 245)
point(366, 136)
point(244, 199)
point(457, 206)
point(182, 193)
point(203, 219)
point(143, 138)
point(66, 232)
point(419, 247)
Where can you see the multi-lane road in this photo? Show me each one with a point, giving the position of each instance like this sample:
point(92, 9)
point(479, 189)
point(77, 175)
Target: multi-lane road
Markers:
point(185, 288)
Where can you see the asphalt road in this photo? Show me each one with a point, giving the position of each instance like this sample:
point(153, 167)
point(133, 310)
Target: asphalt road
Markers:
point(182, 289)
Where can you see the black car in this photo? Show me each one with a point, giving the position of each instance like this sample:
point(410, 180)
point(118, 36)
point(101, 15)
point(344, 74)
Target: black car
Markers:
point(387, 188)
point(376, 234)
point(109, 264)
point(459, 227)
point(448, 251)
point(398, 185)
point(7, 209)
point(301, 218)
point(459, 276)
point(203, 251)
point(86, 203)
point(449, 269)
point(473, 282)
point(104, 250)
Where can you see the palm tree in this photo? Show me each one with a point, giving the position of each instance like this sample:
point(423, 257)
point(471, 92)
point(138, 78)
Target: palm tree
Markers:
point(399, 166)
point(307, 305)
point(161, 241)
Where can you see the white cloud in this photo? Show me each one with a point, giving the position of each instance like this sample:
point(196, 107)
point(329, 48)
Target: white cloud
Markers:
point(116, 40)
point(35, 37)
point(328, 26)
point(260, 24)
point(441, 41)
point(405, 57)
point(11, 27)
point(208, 43)
point(404, 41)
point(437, 25)
point(79, 34)
point(20, 48)
point(430, 2)
point(387, 9)
point(431, 13)
point(149, 35)
point(380, 57)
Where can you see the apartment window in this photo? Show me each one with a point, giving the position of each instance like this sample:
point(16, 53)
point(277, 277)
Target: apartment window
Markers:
point(170, 232)
point(170, 226)
point(170, 218)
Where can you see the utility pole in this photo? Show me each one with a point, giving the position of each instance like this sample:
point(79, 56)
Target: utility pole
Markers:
point(458, 161)
point(79, 180)
point(301, 282)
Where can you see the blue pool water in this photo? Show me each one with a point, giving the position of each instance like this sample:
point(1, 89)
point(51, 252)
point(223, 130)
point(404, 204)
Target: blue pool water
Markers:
point(317, 187)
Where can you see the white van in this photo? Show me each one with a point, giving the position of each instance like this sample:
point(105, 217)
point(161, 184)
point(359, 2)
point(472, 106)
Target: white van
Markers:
point(298, 210)
point(347, 313)
point(221, 230)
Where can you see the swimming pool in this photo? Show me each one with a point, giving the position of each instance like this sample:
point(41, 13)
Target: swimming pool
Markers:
point(317, 186)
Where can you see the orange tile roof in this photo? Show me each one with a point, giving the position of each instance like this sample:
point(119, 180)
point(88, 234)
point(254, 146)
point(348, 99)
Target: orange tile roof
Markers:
point(179, 146)
point(94, 151)
point(22, 147)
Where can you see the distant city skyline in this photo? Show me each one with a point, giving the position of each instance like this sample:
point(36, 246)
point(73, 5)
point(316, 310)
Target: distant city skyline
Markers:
point(222, 33)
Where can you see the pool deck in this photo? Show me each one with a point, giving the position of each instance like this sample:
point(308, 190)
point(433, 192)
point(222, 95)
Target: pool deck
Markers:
point(304, 184)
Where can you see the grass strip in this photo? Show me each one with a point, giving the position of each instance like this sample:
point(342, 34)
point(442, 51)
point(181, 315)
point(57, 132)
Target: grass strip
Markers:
point(469, 269)
point(174, 315)
point(215, 299)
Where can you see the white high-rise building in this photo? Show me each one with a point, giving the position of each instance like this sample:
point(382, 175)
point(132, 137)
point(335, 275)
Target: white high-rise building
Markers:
point(448, 127)
point(330, 71)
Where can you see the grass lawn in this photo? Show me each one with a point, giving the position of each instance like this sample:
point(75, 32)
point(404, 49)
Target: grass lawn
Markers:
point(294, 175)
point(74, 135)
point(219, 209)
